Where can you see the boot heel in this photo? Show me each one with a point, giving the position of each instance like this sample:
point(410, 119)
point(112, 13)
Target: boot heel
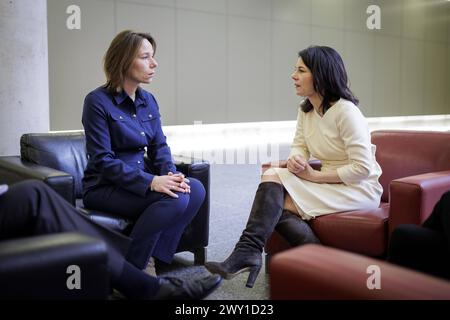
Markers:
point(254, 271)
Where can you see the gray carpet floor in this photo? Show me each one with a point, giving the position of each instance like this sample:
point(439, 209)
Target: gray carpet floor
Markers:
point(233, 188)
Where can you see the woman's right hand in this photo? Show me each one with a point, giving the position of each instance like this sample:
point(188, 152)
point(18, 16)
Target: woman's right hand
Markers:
point(296, 164)
point(169, 183)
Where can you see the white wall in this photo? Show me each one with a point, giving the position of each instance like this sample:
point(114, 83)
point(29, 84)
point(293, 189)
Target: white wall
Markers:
point(231, 60)
point(24, 94)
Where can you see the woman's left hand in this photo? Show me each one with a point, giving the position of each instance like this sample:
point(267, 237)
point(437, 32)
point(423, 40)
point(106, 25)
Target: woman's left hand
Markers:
point(308, 174)
point(185, 184)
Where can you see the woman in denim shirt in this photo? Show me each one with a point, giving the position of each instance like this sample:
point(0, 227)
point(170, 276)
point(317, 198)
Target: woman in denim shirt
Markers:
point(122, 124)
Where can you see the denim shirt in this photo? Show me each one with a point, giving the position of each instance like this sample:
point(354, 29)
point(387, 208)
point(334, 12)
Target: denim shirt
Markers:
point(118, 134)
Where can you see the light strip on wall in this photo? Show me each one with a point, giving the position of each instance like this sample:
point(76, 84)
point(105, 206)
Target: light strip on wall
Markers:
point(185, 139)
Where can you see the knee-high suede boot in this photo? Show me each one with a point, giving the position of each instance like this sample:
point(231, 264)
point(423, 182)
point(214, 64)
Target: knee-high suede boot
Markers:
point(246, 256)
point(296, 231)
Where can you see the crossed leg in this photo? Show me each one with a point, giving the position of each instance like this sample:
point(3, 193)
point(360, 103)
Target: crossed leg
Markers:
point(271, 176)
point(290, 226)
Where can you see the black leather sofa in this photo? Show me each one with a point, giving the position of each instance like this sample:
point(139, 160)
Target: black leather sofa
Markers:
point(59, 159)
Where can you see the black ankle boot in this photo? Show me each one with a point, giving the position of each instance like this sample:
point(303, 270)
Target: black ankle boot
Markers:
point(295, 230)
point(246, 256)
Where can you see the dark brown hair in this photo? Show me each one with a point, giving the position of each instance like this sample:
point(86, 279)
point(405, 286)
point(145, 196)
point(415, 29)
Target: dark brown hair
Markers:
point(120, 55)
point(329, 76)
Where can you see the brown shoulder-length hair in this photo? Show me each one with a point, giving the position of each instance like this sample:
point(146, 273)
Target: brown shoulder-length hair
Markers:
point(120, 55)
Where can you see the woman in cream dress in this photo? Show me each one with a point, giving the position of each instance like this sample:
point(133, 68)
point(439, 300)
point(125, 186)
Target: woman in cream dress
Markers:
point(331, 128)
point(348, 179)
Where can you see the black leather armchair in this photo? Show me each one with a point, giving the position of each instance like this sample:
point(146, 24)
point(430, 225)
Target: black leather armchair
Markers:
point(55, 266)
point(59, 160)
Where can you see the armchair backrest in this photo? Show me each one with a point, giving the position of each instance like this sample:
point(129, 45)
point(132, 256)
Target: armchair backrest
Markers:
point(61, 151)
point(407, 153)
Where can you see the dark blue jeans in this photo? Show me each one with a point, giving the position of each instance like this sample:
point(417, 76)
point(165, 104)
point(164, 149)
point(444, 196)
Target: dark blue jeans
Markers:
point(160, 220)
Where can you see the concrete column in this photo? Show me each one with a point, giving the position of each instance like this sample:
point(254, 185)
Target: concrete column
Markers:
point(24, 98)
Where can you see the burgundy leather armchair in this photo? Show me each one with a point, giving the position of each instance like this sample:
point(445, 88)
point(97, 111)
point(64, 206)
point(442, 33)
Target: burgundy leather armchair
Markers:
point(416, 172)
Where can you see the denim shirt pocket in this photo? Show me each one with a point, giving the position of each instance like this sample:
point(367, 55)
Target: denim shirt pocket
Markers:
point(118, 123)
point(122, 132)
point(118, 117)
point(149, 121)
point(149, 116)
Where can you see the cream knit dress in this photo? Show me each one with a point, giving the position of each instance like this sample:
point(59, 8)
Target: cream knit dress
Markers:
point(341, 141)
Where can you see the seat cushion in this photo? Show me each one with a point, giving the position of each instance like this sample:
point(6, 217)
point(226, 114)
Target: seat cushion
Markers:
point(109, 220)
point(362, 231)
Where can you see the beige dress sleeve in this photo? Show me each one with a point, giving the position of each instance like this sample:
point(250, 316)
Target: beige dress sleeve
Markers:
point(354, 133)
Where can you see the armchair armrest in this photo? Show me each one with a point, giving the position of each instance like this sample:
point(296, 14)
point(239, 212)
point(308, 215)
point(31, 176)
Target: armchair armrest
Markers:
point(37, 267)
point(14, 169)
point(197, 233)
point(413, 198)
point(319, 272)
point(195, 168)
